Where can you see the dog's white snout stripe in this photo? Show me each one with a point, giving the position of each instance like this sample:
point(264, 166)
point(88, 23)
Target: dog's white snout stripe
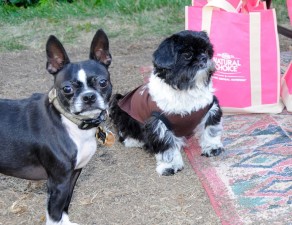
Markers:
point(82, 78)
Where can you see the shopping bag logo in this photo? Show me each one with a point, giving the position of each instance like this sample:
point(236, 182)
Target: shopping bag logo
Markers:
point(228, 67)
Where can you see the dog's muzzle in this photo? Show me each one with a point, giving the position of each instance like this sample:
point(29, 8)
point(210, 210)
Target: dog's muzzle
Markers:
point(82, 122)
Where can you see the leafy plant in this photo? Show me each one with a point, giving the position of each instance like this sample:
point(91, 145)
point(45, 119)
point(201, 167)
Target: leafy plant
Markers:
point(27, 3)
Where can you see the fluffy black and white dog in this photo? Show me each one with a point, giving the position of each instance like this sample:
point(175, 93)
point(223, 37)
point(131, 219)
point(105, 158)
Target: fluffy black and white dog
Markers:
point(177, 102)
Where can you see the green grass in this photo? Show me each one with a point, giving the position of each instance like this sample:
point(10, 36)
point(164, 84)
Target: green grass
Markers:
point(281, 9)
point(12, 45)
point(25, 28)
point(29, 27)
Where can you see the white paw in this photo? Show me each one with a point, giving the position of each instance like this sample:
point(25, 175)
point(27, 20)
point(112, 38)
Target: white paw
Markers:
point(212, 148)
point(64, 220)
point(210, 141)
point(167, 169)
point(132, 143)
point(169, 162)
point(213, 152)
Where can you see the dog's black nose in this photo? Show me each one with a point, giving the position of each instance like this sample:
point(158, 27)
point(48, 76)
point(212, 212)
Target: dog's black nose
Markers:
point(89, 98)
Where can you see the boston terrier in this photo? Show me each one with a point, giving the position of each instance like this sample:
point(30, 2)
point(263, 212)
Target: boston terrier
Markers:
point(53, 136)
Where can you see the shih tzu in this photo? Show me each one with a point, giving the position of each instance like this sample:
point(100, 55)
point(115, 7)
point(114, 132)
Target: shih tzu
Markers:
point(176, 103)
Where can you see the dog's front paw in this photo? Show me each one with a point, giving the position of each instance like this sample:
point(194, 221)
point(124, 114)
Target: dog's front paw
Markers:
point(64, 221)
point(167, 169)
point(213, 152)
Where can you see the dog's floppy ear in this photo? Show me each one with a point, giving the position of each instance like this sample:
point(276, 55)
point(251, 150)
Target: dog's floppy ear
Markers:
point(164, 57)
point(99, 49)
point(56, 55)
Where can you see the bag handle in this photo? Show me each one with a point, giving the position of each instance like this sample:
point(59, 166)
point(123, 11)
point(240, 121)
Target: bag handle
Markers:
point(221, 4)
point(208, 9)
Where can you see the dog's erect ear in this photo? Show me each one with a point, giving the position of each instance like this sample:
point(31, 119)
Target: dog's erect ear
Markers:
point(56, 55)
point(99, 49)
point(164, 57)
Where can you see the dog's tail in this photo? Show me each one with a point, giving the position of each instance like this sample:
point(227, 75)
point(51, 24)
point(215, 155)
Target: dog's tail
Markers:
point(115, 99)
point(117, 96)
point(113, 105)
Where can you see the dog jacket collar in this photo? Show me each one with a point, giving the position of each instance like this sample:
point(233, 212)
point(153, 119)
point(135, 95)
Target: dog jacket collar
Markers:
point(82, 122)
point(140, 106)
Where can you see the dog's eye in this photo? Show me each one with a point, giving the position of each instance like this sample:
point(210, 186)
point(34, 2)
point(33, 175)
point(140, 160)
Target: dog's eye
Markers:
point(103, 83)
point(188, 55)
point(93, 80)
point(67, 89)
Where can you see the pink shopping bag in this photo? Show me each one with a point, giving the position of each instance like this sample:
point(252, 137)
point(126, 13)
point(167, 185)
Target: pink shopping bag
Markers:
point(286, 88)
point(235, 3)
point(252, 5)
point(247, 78)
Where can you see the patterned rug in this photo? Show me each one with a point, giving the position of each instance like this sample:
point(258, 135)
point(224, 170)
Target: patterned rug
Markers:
point(286, 58)
point(251, 182)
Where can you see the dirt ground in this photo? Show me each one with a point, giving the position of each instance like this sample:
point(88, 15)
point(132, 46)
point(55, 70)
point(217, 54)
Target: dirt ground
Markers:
point(119, 186)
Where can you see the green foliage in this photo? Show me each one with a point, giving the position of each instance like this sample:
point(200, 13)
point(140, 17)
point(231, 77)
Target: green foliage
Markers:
point(61, 8)
point(26, 3)
point(28, 25)
point(20, 2)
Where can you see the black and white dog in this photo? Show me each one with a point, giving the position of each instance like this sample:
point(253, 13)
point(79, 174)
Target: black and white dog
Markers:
point(177, 102)
point(52, 136)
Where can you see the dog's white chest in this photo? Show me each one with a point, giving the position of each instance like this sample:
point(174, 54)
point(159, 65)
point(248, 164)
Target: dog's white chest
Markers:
point(84, 140)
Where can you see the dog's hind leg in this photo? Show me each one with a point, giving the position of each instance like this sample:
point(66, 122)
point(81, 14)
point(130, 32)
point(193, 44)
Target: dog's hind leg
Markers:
point(129, 130)
point(161, 141)
point(209, 131)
